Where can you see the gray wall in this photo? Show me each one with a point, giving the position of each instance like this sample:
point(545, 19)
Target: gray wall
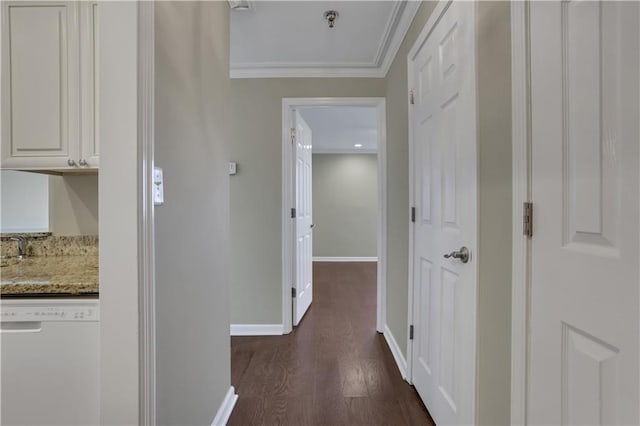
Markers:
point(73, 204)
point(256, 209)
point(494, 203)
point(345, 205)
point(192, 116)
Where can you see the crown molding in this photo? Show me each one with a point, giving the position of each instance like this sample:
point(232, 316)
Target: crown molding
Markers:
point(395, 31)
point(321, 151)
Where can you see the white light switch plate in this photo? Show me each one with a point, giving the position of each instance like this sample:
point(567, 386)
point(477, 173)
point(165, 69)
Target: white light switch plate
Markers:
point(158, 187)
point(233, 168)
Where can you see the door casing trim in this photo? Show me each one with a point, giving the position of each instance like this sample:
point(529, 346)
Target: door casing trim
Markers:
point(288, 225)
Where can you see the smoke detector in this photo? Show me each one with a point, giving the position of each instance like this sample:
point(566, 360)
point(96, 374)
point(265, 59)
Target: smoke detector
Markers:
point(331, 16)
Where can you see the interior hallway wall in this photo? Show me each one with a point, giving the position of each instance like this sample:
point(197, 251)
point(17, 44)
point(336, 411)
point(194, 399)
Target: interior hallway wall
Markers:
point(256, 199)
point(345, 205)
point(192, 90)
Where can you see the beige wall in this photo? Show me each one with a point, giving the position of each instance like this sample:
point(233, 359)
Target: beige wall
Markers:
point(494, 202)
point(345, 205)
point(256, 209)
point(192, 227)
point(73, 204)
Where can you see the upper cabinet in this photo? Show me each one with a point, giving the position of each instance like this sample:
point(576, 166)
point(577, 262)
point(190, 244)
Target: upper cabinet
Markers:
point(49, 86)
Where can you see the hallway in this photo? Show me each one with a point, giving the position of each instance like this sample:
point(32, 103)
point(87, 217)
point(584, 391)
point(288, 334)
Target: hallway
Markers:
point(334, 369)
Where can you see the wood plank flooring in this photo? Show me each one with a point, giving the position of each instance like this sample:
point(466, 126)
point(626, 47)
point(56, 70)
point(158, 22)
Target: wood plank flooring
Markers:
point(334, 369)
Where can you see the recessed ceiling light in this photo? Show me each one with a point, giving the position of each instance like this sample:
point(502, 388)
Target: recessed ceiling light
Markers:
point(358, 145)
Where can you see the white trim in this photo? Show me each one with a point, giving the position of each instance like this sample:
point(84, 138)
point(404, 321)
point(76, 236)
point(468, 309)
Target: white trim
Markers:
point(344, 259)
point(288, 105)
point(226, 408)
point(420, 40)
point(401, 361)
point(397, 26)
point(521, 193)
point(281, 72)
point(406, 19)
point(146, 247)
point(256, 329)
point(321, 151)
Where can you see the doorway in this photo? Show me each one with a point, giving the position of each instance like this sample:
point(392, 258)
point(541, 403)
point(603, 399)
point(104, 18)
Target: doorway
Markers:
point(291, 108)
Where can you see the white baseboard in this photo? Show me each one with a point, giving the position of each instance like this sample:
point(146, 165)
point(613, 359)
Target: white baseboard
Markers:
point(344, 259)
point(257, 329)
point(401, 361)
point(224, 412)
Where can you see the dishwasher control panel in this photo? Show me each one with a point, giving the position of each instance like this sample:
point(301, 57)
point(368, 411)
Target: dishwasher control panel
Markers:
point(52, 311)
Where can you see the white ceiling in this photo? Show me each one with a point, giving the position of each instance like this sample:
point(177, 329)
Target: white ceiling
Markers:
point(338, 129)
point(292, 39)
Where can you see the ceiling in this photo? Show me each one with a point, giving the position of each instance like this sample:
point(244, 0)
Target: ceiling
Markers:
point(292, 39)
point(338, 129)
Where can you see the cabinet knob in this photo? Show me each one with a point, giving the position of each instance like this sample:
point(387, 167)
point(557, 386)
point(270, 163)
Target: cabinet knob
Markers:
point(71, 162)
point(83, 163)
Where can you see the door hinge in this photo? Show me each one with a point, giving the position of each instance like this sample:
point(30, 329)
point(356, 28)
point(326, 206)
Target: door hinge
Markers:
point(293, 213)
point(294, 293)
point(413, 214)
point(412, 100)
point(527, 219)
point(411, 332)
point(293, 133)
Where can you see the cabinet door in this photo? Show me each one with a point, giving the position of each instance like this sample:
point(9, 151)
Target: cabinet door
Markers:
point(89, 145)
point(39, 85)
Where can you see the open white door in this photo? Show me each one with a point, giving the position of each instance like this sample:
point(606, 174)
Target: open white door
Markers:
point(303, 265)
point(584, 331)
point(445, 182)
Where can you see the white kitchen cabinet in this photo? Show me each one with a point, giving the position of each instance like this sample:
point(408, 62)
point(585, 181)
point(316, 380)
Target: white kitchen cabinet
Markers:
point(49, 86)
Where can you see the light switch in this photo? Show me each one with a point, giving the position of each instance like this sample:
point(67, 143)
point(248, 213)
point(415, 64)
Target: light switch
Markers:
point(233, 168)
point(158, 187)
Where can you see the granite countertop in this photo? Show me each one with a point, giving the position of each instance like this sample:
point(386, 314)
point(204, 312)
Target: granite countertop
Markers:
point(49, 276)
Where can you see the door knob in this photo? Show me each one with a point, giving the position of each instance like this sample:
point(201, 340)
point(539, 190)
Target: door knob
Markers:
point(312, 225)
point(463, 254)
point(71, 162)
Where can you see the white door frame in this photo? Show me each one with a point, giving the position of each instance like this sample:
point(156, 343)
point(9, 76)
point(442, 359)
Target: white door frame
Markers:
point(127, 326)
point(147, 299)
point(521, 169)
point(288, 252)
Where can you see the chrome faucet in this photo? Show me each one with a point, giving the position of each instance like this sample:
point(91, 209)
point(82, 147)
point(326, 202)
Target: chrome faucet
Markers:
point(22, 244)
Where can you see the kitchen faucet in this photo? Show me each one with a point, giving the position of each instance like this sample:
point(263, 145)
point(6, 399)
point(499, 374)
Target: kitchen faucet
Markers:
point(22, 244)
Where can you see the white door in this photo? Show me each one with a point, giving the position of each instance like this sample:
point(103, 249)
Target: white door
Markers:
point(444, 289)
point(304, 223)
point(583, 344)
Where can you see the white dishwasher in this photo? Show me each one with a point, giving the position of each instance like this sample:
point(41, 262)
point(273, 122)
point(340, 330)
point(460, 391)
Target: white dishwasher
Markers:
point(49, 362)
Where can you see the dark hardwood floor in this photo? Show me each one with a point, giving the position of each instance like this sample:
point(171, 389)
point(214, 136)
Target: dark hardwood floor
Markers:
point(334, 369)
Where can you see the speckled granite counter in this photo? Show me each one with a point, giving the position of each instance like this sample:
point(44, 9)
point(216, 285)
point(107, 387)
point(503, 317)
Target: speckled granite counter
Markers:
point(50, 276)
